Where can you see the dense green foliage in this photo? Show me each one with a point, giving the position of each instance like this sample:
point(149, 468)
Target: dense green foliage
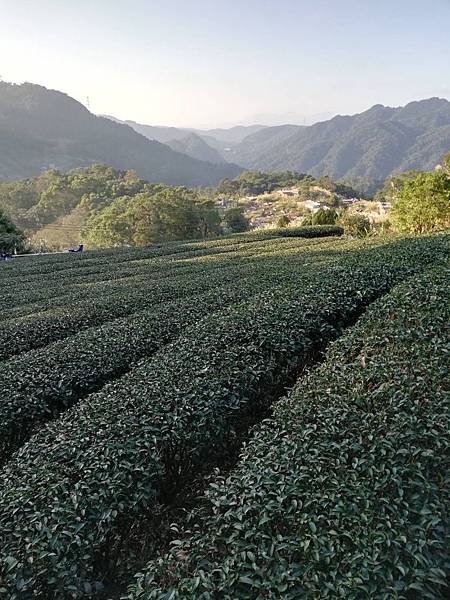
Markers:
point(252, 183)
point(235, 220)
point(322, 216)
point(11, 238)
point(445, 163)
point(170, 214)
point(40, 128)
point(392, 186)
point(422, 204)
point(69, 496)
point(344, 492)
point(36, 202)
point(110, 207)
point(355, 225)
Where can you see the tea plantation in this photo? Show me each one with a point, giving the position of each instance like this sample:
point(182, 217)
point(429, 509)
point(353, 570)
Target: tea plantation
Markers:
point(150, 447)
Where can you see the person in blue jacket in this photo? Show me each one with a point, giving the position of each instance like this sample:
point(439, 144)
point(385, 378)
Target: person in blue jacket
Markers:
point(79, 249)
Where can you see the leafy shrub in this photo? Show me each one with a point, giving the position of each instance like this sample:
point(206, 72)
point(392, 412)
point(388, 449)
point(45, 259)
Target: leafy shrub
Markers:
point(317, 231)
point(311, 232)
point(423, 203)
point(344, 492)
point(40, 384)
point(283, 221)
point(355, 225)
point(235, 220)
point(324, 217)
point(11, 237)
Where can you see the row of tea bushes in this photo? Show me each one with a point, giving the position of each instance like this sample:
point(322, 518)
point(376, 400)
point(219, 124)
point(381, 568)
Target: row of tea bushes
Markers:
point(66, 264)
point(52, 291)
point(104, 304)
point(38, 385)
point(84, 271)
point(25, 299)
point(48, 263)
point(311, 232)
point(344, 492)
point(87, 306)
point(316, 231)
point(69, 494)
point(20, 296)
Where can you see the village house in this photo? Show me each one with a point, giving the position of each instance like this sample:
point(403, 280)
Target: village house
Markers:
point(288, 192)
point(313, 206)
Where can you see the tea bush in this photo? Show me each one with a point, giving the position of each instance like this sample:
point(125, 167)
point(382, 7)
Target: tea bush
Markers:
point(67, 495)
point(344, 492)
point(38, 385)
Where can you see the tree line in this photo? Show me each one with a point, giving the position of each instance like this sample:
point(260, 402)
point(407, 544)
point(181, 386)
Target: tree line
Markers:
point(108, 207)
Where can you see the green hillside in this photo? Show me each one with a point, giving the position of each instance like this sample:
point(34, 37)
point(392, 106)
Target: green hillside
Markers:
point(42, 129)
point(370, 145)
point(103, 207)
point(132, 378)
point(196, 147)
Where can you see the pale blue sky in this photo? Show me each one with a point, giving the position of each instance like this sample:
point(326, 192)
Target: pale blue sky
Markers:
point(220, 62)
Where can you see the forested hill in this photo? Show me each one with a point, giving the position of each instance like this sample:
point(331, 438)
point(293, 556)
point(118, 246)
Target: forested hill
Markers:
point(41, 128)
point(195, 146)
point(373, 144)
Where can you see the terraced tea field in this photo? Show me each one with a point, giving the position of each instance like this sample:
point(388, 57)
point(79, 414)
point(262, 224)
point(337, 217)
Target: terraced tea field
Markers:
point(147, 448)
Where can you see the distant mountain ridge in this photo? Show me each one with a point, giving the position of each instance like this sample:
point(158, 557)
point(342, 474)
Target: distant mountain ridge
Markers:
point(220, 140)
point(373, 144)
point(196, 147)
point(42, 128)
point(164, 134)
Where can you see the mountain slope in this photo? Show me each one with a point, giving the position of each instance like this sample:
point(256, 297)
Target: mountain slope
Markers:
point(261, 142)
point(196, 147)
point(41, 128)
point(232, 135)
point(153, 132)
point(222, 140)
point(373, 144)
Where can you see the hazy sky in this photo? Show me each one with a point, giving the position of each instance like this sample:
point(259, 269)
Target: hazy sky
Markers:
point(220, 62)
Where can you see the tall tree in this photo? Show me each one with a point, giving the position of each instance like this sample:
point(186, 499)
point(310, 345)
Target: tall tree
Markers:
point(11, 237)
point(168, 214)
point(235, 220)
